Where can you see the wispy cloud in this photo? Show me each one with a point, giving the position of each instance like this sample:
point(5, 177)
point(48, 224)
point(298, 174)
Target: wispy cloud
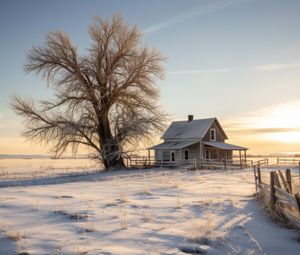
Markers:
point(217, 70)
point(257, 131)
point(271, 67)
point(211, 7)
point(278, 118)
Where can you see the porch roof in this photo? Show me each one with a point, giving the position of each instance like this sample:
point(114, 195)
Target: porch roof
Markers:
point(173, 145)
point(225, 146)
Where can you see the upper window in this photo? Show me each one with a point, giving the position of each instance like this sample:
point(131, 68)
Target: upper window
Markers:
point(213, 134)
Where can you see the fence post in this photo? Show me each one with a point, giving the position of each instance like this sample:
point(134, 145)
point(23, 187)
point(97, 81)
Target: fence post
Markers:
point(258, 175)
point(272, 189)
point(297, 196)
point(289, 179)
point(299, 172)
point(255, 178)
point(276, 180)
point(277, 160)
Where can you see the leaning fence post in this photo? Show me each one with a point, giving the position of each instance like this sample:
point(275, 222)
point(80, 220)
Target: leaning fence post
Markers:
point(289, 179)
point(255, 178)
point(272, 189)
point(297, 196)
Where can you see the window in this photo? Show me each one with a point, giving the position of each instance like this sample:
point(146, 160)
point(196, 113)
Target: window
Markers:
point(172, 156)
point(186, 154)
point(213, 134)
point(166, 156)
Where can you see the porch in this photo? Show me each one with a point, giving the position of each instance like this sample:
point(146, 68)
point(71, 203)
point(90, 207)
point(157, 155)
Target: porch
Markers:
point(203, 154)
point(221, 154)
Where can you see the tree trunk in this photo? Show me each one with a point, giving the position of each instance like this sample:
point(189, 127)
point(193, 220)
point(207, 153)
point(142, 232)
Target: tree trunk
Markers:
point(111, 154)
point(113, 162)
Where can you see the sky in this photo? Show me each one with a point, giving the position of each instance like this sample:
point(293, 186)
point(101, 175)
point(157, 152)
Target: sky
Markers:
point(237, 60)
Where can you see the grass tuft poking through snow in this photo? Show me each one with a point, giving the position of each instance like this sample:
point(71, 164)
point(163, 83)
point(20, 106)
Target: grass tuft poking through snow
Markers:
point(206, 230)
point(147, 190)
point(123, 217)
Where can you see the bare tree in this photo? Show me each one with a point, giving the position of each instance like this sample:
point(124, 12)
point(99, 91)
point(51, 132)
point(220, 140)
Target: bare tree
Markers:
point(104, 100)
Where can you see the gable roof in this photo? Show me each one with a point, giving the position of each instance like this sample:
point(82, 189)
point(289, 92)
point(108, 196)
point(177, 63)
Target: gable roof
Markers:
point(225, 146)
point(195, 129)
point(173, 145)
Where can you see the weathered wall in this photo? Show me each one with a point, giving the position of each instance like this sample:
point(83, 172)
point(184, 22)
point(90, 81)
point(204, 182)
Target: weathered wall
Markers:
point(219, 135)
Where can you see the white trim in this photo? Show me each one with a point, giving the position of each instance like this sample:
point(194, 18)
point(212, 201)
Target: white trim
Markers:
point(215, 134)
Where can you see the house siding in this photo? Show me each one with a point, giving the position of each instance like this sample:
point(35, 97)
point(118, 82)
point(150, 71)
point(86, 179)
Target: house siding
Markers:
point(194, 152)
point(219, 135)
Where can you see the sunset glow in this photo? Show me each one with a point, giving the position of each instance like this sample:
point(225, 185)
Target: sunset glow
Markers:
point(219, 64)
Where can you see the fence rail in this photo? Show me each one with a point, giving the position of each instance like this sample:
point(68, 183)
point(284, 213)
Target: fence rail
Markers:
point(144, 162)
point(288, 161)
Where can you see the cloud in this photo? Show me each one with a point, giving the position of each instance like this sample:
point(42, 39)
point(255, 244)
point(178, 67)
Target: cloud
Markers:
point(272, 120)
point(271, 67)
point(212, 7)
point(256, 131)
point(218, 70)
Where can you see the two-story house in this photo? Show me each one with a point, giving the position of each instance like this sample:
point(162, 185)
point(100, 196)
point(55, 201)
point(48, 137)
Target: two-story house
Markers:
point(199, 139)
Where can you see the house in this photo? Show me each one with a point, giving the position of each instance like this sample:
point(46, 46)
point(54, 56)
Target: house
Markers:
point(202, 140)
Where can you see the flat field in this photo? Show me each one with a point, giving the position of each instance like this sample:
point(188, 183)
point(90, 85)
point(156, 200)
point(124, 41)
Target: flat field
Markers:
point(155, 211)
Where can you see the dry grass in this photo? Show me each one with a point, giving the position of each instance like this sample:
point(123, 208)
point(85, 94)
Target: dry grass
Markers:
point(178, 201)
point(147, 217)
point(146, 190)
point(123, 198)
point(122, 214)
point(264, 197)
point(15, 235)
point(206, 230)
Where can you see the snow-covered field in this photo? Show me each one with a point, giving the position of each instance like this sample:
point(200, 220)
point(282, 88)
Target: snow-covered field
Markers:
point(141, 212)
point(32, 168)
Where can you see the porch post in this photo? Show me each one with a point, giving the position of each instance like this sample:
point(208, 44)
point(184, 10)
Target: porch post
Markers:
point(149, 157)
point(245, 155)
point(180, 155)
point(201, 152)
point(240, 159)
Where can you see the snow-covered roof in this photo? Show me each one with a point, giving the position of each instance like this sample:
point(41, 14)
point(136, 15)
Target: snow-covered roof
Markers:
point(225, 146)
point(195, 129)
point(173, 145)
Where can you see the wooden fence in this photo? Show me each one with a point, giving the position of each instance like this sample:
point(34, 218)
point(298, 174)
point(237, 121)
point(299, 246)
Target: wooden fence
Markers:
point(226, 164)
point(145, 162)
point(279, 194)
point(288, 161)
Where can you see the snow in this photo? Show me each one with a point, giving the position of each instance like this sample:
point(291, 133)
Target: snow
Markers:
point(194, 129)
point(154, 211)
